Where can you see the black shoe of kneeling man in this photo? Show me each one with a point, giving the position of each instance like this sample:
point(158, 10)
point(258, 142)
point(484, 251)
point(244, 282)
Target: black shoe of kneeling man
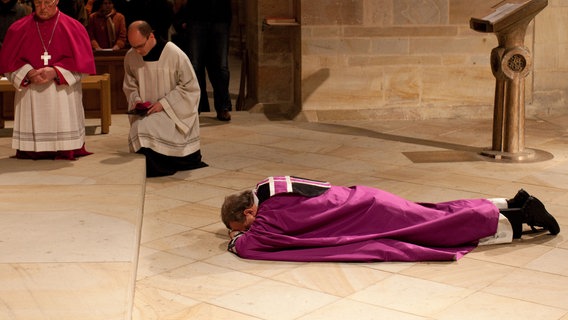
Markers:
point(537, 216)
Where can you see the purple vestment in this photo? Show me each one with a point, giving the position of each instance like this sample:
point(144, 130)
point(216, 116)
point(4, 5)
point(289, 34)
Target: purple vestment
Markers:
point(364, 224)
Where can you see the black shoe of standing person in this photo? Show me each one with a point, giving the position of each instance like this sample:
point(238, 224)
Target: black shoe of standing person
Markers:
point(519, 200)
point(224, 116)
point(537, 216)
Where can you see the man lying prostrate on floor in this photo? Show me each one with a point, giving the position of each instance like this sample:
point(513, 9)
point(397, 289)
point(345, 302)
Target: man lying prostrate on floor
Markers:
point(295, 219)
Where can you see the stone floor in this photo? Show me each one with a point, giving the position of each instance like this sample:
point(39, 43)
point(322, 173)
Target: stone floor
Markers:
point(184, 271)
point(70, 232)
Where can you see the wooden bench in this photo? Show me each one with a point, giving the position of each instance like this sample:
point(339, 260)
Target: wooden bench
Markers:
point(101, 83)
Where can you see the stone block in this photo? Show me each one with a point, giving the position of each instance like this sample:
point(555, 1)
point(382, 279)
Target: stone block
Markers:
point(461, 11)
point(312, 80)
point(552, 25)
point(550, 80)
point(557, 3)
point(454, 59)
point(378, 12)
point(547, 103)
point(545, 56)
point(275, 8)
point(354, 86)
point(398, 112)
point(330, 12)
point(354, 46)
point(563, 52)
point(481, 60)
point(412, 12)
point(394, 60)
point(408, 31)
point(454, 85)
point(316, 62)
point(402, 86)
point(324, 32)
point(275, 84)
point(276, 44)
point(323, 46)
point(390, 46)
point(451, 45)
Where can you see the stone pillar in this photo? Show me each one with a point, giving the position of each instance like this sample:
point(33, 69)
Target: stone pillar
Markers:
point(511, 62)
point(273, 45)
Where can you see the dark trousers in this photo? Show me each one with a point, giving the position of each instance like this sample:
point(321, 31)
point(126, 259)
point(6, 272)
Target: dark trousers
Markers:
point(209, 51)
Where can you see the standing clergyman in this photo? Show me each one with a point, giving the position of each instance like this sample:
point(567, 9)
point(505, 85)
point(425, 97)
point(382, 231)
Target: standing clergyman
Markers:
point(45, 55)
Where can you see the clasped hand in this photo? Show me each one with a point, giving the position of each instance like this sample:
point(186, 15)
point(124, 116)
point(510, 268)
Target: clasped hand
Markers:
point(156, 107)
point(42, 75)
point(233, 233)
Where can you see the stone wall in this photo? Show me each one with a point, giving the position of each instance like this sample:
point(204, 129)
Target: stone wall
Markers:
point(550, 87)
point(394, 59)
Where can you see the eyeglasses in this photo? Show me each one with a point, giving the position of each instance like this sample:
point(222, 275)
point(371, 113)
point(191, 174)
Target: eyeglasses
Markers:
point(44, 3)
point(140, 46)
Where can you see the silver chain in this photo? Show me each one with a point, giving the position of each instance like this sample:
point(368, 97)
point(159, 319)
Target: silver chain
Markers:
point(52, 33)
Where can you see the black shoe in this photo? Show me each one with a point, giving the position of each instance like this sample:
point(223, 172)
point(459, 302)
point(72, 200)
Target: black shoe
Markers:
point(224, 116)
point(519, 200)
point(537, 216)
point(516, 217)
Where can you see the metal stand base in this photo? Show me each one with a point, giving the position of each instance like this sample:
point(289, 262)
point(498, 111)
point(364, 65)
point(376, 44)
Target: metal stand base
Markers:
point(528, 155)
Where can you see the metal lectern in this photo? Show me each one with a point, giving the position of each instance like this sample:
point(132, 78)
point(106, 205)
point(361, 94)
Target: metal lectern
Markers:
point(511, 62)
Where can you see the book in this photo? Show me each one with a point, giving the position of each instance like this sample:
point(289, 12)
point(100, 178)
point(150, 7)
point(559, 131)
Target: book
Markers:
point(280, 21)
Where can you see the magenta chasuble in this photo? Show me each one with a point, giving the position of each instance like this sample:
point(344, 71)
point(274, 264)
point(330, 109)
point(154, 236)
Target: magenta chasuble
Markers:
point(364, 224)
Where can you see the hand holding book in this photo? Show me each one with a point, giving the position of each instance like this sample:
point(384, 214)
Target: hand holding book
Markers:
point(140, 109)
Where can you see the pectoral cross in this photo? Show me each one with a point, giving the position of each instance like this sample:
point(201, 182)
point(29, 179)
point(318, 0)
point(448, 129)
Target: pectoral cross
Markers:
point(45, 57)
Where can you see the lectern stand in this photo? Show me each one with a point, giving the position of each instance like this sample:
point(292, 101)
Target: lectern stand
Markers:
point(511, 62)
